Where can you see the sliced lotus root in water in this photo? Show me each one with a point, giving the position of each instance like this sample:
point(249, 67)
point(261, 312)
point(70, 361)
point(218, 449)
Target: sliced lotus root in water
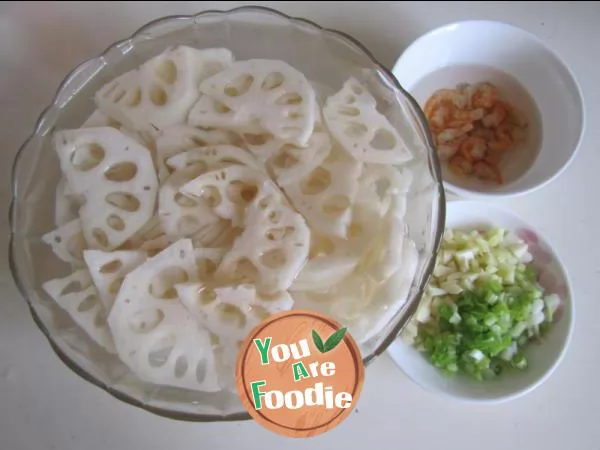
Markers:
point(389, 298)
point(231, 312)
point(228, 191)
point(264, 146)
point(162, 91)
point(353, 298)
point(213, 157)
point(383, 258)
point(290, 163)
point(98, 119)
point(219, 234)
point(379, 185)
point(108, 270)
point(207, 260)
point(226, 360)
point(331, 259)
point(325, 196)
point(156, 245)
point(151, 238)
point(272, 248)
point(66, 205)
point(322, 272)
point(344, 301)
point(76, 295)
point(180, 214)
point(151, 230)
point(67, 242)
point(352, 118)
point(146, 139)
point(271, 91)
point(180, 138)
point(155, 335)
point(115, 175)
point(210, 113)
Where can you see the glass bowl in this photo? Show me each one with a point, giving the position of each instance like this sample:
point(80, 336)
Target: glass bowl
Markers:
point(327, 58)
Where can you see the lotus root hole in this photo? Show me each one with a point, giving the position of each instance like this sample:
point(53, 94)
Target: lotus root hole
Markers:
point(115, 285)
point(123, 200)
point(100, 236)
point(181, 366)
point(231, 314)
point(257, 139)
point(279, 234)
point(206, 268)
point(71, 288)
point(272, 81)
point(383, 140)
point(241, 193)
point(357, 89)
point(158, 95)
point(133, 99)
point(316, 182)
point(86, 157)
point(184, 201)
point(354, 230)
point(115, 222)
point(167, 71)
point(274, 217)
point(111, 266)
point(120, 172)
point(349, 111)
point(88, 303)
point(160, 352)
point(285, 160)
point(162, 285)
point(146, 320)
point(245, 271)
point(336, 205)
point(201, 371)
point(211, 195)
point(290, 98)
point(207, 296)
point(273, 259)
point(355, 130)
point(198, 141)
point(76, 245)
point(321, 246)
point(239, 85)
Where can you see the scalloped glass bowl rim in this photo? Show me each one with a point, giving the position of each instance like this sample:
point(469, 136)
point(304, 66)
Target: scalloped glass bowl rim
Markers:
point(433, 161)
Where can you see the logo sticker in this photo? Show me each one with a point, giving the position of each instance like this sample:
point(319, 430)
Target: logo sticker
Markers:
point(299, 373)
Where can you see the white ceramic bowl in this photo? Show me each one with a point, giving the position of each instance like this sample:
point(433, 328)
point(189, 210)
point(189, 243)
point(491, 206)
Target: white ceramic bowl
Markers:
point(475, 51)
point(543, 358)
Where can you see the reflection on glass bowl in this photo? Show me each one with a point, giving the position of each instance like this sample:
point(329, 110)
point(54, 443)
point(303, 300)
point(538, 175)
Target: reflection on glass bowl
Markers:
point(327, 58)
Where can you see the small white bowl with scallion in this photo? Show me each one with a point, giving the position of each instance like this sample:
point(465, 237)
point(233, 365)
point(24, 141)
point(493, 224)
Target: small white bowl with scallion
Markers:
point(497, 316)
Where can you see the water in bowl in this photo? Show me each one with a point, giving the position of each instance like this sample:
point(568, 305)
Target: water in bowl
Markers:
point(517, 161)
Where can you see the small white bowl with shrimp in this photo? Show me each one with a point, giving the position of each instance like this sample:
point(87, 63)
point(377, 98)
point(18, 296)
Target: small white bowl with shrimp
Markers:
point(505, 112)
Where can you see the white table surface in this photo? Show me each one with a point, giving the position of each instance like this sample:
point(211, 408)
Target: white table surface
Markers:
point(43, 405)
